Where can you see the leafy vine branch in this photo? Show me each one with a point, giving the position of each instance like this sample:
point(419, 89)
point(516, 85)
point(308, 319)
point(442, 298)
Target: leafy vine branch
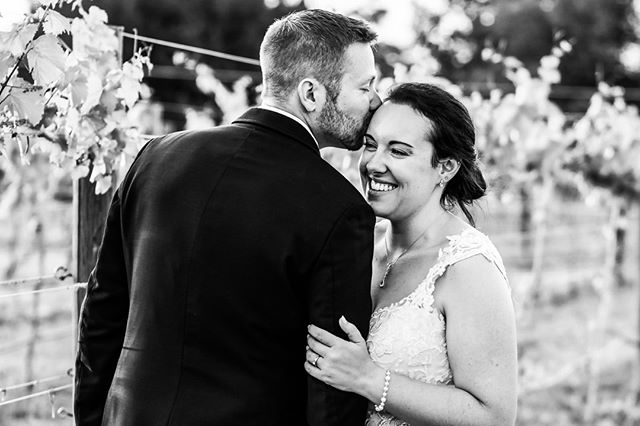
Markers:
point(26, 51)
point(69, 104)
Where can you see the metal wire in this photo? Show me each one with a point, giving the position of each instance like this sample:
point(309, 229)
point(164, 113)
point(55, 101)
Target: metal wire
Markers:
point(194, 49)
point(4, 390)
point(61, 274)
point(37, 394)
point(25, 281)
point(46, 290)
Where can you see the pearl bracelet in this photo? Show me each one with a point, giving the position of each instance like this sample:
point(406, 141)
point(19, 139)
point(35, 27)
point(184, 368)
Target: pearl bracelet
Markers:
point(385, 390)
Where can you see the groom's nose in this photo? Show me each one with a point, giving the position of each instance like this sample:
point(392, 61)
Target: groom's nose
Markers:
point(375, 100)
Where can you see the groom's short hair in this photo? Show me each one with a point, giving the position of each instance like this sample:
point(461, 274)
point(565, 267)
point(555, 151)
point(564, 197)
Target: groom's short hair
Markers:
point(309, 43)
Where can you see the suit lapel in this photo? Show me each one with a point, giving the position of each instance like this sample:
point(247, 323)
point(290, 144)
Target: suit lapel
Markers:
point(279, 123)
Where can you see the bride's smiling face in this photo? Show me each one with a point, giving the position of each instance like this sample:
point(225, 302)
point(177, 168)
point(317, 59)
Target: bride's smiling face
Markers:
point(395, 167)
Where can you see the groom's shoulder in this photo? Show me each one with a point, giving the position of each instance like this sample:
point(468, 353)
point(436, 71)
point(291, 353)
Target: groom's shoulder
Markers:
point(337, 187)
point(196, 138)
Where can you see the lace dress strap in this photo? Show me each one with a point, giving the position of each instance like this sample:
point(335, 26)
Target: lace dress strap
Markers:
point(468, 243)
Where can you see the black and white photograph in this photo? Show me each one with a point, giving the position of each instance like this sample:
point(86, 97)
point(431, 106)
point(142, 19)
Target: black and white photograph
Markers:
point(319, 212)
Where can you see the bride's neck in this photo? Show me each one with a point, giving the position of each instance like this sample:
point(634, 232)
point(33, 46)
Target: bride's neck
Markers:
point(428, 228)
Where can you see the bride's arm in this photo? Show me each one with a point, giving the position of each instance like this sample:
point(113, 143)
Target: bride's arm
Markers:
point(481, 347)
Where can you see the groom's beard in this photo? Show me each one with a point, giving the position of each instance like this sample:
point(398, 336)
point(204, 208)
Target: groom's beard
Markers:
point(348, 131)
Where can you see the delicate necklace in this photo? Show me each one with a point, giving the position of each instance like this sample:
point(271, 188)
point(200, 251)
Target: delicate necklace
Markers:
point(393, 262)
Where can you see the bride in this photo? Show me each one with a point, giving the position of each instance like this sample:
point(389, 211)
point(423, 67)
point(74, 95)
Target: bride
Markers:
point(442, 341)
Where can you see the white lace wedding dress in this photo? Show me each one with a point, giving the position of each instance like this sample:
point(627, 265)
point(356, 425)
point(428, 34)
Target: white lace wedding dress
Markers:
point(408, 337)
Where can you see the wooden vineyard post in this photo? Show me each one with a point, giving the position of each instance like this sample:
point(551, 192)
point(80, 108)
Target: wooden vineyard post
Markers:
point(89, 215)
point(90, 211)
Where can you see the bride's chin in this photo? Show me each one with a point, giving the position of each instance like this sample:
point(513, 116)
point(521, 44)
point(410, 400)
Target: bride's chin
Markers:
point(378, 212)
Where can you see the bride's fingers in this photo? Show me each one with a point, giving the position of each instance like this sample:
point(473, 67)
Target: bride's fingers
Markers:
point(351, 331)
point(312, 371)
point(313, 358)
point(323, 336)
point(316, 346)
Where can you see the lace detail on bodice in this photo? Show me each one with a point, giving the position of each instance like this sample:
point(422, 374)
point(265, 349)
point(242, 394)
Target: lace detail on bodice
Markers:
point(408, 336)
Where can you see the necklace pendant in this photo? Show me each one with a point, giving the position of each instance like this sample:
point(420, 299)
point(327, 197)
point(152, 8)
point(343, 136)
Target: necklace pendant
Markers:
point(386, 272)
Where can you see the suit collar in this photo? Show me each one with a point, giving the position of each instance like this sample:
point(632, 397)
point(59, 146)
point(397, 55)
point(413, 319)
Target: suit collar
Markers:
point(281, 124)
point(291, 116)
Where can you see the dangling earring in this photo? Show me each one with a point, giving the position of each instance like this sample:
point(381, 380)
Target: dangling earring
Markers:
point(441, 183)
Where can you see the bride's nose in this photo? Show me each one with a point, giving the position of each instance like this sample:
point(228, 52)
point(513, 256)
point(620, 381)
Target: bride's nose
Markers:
point(375, 163)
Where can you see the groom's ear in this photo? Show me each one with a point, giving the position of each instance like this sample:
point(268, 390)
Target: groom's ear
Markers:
point(311, 94)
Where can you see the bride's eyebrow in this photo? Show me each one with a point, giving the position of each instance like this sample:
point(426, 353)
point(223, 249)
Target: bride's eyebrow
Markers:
point(400, 143)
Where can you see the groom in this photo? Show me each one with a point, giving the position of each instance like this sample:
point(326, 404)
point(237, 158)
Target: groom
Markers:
point(222, 245)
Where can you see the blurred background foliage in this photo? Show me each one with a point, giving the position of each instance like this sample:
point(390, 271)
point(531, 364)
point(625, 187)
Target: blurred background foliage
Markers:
point(600, 31)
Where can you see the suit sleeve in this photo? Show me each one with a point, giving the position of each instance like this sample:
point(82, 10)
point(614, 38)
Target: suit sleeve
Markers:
point(102, 325)
point(340, 285)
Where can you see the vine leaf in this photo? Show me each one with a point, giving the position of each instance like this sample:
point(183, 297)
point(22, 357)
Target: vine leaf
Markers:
point(56, 24)
point(5, 63)
point(46, 60)
point(79, 90)
point(130, 83)
point(93, 93)
point(26, 105)
point(91, 35)
point(103, 183)
point(16, 41)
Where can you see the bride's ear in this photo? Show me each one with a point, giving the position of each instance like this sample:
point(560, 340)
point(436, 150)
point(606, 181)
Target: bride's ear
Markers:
point(448, 168)
point(312, 95)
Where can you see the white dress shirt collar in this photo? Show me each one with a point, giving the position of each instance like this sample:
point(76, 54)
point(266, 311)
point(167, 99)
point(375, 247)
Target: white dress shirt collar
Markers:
point(291, 116)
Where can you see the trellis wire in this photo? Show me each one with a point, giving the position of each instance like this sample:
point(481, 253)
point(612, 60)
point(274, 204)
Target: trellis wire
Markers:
point(37, 394)
point(46, 290)
point(3, 391)
point(27, 281)
point(61, 274)
point(180, 46)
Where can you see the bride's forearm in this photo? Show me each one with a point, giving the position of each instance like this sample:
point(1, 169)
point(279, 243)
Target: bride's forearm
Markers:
point(420, 403)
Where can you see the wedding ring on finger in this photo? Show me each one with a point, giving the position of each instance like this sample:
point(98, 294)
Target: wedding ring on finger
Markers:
point(315, 361)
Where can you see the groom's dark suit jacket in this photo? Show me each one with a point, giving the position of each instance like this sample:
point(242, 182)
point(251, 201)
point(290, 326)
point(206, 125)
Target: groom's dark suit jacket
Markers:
point(220, 247)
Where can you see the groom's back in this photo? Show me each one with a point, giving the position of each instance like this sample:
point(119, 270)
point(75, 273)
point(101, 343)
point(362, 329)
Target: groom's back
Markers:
point(222, 230)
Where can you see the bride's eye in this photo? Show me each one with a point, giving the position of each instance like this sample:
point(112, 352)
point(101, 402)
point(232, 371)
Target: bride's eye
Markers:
point(369, 145)
point(398, 152)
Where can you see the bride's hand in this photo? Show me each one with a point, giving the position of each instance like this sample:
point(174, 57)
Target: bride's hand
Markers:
point(345, 365)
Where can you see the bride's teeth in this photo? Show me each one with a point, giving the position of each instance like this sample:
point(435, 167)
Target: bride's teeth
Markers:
point(376, 186)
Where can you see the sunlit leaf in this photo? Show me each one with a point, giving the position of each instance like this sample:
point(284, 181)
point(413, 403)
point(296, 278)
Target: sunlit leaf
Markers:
point(80, 171)
point(16, 41)
point(130, 84)
point(103, 184)
point(46, 60)
point(94, 92)
point(26, 105)
point(99, 168)
point(96, 15)
point(56, 24)
point(549, 61)
point(91, 38)
point(5, 62)
point(109, 100)
point(79, 90)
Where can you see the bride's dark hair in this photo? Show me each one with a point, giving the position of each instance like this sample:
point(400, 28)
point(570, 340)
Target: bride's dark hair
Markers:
point(452, 135)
